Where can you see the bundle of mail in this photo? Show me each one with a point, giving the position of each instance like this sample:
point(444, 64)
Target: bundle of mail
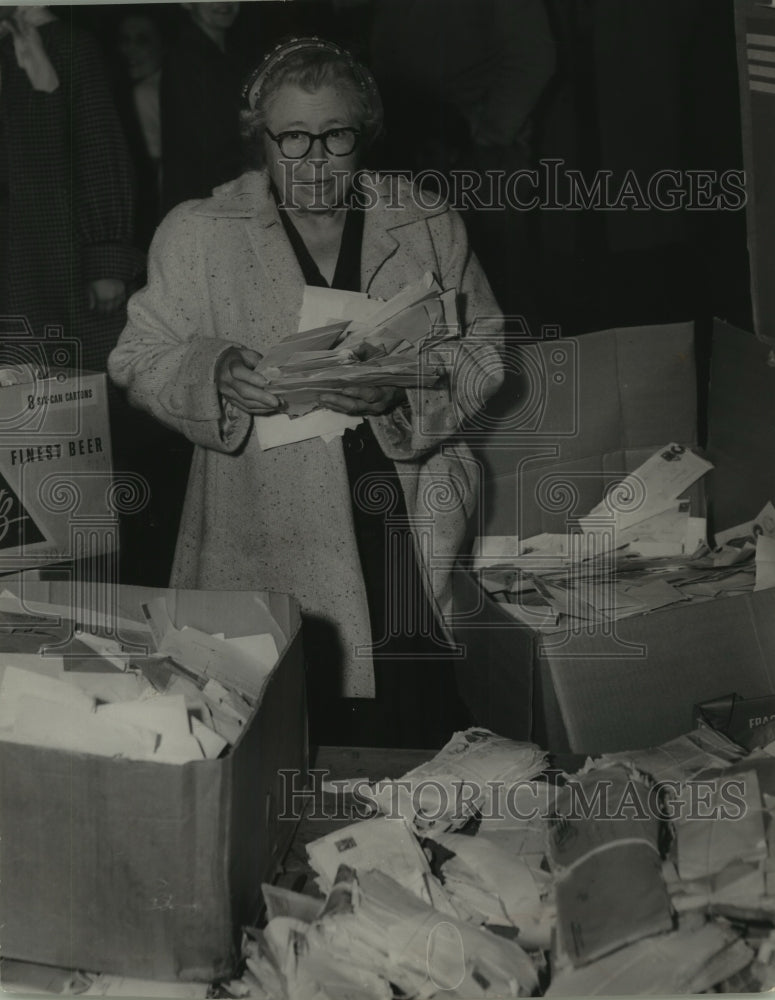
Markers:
point(373, 343)
point(645, 873)
point(159, 694)
point(637, 551)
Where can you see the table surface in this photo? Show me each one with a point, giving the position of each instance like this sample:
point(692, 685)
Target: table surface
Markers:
point(368, 762)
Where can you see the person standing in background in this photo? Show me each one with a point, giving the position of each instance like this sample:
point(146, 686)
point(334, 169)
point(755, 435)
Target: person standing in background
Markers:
point(489, 60)
point(66, 258)
point(200, 105)
point(461, 80)
point(141, 445)
point(140, 47)
point(610, 115)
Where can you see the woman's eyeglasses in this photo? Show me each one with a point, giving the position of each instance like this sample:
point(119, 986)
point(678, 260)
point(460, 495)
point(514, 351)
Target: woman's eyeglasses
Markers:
point(336, 141)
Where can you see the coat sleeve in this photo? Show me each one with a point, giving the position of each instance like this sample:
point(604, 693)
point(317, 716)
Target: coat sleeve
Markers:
point(166, 356)
point(474, 364)
point(103, 189)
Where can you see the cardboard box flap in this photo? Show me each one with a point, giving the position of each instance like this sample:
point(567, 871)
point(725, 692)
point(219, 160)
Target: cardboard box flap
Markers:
point(618, 391)
point(621, 379)
point(232, 612)
point(551, 497)
point(741, 426)
point(63, 600)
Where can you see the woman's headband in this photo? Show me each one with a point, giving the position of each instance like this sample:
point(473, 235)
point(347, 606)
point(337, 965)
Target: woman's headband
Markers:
point(255, 83)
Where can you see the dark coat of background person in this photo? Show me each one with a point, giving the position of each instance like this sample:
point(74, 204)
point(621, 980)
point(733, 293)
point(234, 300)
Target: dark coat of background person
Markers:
point(461, 81)
point(200, 102)
point(145, 171)
point(484, 63)
point(158, 454)
point(68, 209)
point(642, 88)
point(148, 211)
point(140, 444)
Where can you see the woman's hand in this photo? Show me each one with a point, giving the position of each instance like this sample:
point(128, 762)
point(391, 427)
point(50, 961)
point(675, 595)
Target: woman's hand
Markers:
point(240, 384)
point(364, 400)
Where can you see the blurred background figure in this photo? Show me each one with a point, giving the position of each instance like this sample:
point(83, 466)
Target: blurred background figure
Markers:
point(140, 444)
point(66, 253)
point(200, 101)
point(608, 110)
point(140, 45)
point(461, 80)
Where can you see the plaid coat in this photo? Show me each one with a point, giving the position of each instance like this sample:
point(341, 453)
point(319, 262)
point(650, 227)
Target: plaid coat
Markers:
point(222, 272)
point(69, 193)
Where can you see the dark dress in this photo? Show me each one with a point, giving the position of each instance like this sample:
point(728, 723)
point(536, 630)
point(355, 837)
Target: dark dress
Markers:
point(141, 443)
point(145, 169)
point(416, 703)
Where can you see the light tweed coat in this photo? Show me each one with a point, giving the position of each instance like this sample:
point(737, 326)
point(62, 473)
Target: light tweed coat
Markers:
point(221, 272)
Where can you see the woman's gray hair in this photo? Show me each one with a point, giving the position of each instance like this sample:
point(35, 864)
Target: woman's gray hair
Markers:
point(308, 63)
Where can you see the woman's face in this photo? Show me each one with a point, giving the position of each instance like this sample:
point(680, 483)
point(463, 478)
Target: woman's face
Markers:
point(320, 180)
point(139, 42)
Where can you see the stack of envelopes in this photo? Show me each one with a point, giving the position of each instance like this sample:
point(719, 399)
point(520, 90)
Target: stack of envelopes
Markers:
point(186, 697)
point(387, 346)
point(647, 872)
point(638, 551)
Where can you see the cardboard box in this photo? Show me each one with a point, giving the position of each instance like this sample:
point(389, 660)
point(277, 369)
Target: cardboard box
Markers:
point(57, 502)
point(636, 684)
point(635, 688)
point(737, 717)
point(150, 870)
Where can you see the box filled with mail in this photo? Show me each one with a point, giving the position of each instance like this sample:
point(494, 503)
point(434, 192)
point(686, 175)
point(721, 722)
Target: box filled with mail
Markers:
point(613, 641)
point(147, 740)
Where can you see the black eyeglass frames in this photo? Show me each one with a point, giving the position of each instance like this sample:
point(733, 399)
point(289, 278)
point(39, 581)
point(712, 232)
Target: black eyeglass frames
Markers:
point(295, 144)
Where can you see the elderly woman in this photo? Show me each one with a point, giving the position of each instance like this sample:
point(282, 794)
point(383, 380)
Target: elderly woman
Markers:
point(315, 518)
